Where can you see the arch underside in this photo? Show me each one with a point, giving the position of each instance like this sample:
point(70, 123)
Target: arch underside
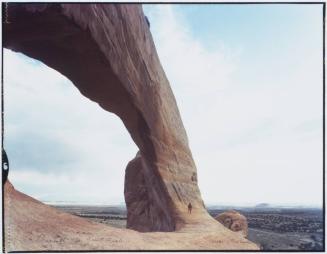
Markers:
point(107, 51)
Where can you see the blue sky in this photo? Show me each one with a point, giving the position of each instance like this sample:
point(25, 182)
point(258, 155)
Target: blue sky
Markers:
point(248, 83)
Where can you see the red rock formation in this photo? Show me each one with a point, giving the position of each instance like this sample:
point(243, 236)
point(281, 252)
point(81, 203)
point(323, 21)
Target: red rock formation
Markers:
point(33, 226)
point(233, 221)
point(107, 51)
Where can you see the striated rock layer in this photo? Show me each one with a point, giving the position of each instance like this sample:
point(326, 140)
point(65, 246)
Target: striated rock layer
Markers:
point(107, 51)
point(33, 226)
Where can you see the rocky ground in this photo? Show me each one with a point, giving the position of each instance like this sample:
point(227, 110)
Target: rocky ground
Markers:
point(272, 229)
point(269, 240)
point(284, 228)
point(31, 225)
point(111, 215)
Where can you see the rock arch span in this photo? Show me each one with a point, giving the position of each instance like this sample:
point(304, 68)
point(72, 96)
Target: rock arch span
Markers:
point(107, 51)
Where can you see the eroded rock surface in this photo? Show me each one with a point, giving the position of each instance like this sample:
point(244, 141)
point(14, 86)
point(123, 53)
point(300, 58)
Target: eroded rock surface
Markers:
point(107, 51)
point(33, 226)
point(234, 221)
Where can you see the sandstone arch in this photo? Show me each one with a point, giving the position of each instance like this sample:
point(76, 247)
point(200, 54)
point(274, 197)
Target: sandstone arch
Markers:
point(107, 51)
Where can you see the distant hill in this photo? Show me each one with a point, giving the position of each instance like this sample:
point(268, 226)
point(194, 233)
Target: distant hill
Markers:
point(263, 205)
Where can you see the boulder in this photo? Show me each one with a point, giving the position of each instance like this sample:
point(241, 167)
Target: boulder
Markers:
point(234, 221)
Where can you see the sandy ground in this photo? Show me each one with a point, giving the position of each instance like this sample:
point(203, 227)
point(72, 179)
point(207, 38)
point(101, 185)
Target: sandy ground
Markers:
point(33, 226)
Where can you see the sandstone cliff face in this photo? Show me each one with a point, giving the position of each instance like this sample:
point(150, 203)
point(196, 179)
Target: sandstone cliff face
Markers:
point(107, 51)
point(234, 221)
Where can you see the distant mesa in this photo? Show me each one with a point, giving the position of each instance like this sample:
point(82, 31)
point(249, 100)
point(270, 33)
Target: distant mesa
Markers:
point(234, 221)
point(262, 205)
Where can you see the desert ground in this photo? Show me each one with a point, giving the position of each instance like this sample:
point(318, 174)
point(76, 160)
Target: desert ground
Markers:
point(31, 225)
point(272, 228)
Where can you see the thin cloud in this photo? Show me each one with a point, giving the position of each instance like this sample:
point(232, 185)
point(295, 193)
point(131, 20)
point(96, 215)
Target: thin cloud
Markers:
point(60, 143)
point(253, 124)
point(241, 121)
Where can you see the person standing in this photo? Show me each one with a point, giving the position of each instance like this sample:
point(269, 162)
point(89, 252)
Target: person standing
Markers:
point(189, 208)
